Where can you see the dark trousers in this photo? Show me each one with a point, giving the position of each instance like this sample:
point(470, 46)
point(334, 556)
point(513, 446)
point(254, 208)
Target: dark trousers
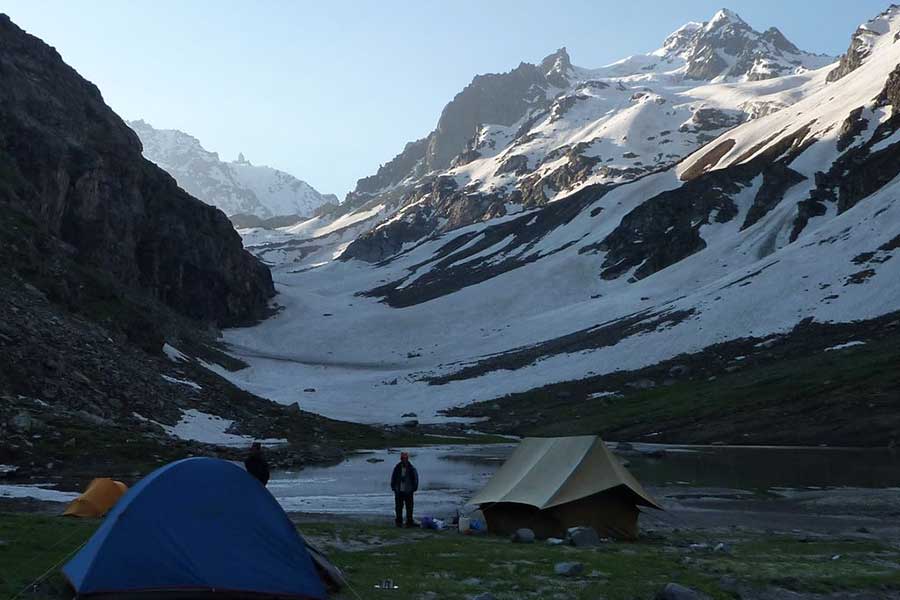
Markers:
point(401, 499)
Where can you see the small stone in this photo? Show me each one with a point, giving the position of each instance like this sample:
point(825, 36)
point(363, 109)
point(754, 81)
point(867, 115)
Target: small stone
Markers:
point(409, 415)
point(471, 581)
point(374, 460)
point(582, 537)
point(22, 422)
point(673, 591)
point(642, 384)
point(568, 569)
point(523, 536)
point(481, 596)
point(555, 541)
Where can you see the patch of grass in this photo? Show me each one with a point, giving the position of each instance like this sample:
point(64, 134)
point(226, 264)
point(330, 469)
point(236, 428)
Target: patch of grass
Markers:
point(457, 567)
point(31, 545)
point(843, 397)
point(821, 566)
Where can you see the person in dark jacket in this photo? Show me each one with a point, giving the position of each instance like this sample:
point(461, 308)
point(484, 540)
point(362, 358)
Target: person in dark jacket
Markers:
point(404, 483)
point(256, 464)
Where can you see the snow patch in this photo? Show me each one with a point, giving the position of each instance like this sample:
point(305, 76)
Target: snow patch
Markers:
point(186, 382)
point(846, 345)
point(174, 354)
point(37, 491)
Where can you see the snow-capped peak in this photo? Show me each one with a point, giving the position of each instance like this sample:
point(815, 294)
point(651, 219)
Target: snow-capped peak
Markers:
point(678, 40)
point(557, 67)
point(728, 48)
point(237, 187)
point(723, 18)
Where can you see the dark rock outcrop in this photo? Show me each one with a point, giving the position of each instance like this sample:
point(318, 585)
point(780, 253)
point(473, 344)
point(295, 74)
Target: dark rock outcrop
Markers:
point(410, 162)
point(666, 228)
point(860, 47)
point(71, 164)
point(501, 99)
point(709, 119)
point(863, 169)
point(852, 126)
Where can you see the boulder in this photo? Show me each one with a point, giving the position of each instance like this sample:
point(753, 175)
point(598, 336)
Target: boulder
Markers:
point(582, 537)
point(523, 536)
point(568, 569)
point(679, 371)
point(555, 541)
point(673, 591)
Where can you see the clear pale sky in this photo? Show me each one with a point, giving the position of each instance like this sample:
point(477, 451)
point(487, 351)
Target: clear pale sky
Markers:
point(328, 90)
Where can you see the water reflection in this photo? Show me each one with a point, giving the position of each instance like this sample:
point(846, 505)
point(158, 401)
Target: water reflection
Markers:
point(451, 474)
point(764, 469)
point(448, 475)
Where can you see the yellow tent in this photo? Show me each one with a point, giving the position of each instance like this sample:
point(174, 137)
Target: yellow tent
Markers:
point(551, 484)
point(100, 496)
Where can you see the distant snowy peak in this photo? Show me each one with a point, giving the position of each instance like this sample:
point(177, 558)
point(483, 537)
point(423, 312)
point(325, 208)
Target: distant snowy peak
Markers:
point(237, 187)
point(727, 48)
point(678, 43)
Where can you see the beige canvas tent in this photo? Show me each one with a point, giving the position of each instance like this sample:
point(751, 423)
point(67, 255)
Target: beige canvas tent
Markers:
point(551, 484)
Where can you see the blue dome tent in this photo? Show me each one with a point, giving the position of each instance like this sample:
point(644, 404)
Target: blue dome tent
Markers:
point(199, 526)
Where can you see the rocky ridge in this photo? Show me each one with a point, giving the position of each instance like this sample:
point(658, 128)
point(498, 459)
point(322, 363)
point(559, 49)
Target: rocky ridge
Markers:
point(562, 127)
point(75, 168)
point(107, 266)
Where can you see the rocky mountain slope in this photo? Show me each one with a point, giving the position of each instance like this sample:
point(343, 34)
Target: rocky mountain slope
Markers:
point(637, 216)
point(107, 267)
point(237, 187)
point(70, 164)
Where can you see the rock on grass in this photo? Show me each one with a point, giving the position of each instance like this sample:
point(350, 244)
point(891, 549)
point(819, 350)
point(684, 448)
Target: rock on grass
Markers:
point(569, 569)
point(673, 591)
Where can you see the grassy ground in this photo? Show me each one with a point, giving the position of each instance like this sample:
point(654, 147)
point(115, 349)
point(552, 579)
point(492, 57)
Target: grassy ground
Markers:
point(30, 545)
point(842, 398)
point(457, 567)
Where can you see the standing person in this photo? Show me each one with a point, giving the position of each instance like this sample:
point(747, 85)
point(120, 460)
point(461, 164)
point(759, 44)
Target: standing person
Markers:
point(256, 464)
point(404, 483)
